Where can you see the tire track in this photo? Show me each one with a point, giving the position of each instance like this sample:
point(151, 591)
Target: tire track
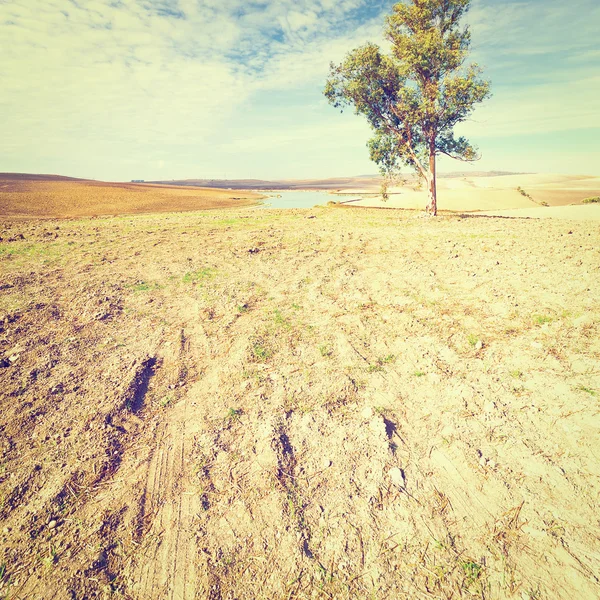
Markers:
point(166, 564)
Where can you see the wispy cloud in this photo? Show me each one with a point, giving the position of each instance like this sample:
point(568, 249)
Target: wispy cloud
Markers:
point(120, 88)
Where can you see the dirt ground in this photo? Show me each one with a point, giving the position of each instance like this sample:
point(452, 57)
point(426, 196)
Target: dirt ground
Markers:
point(54, 196)
point(326, 403)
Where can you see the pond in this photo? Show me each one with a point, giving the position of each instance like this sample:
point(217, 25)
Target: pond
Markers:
point(297, 199)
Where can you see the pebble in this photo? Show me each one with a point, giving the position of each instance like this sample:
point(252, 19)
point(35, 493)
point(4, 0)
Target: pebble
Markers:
point(52, 524)
point(397, 476)
point(434, 378)
point(448, 431)
point(377, 425)
point(325, 463)
point(479, 345)
point(489, 407)
point(367, 412)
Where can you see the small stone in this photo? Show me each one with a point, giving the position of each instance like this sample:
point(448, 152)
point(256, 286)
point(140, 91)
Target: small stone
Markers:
point(377, 426)
point(434, 378)
point(52, 524)
point(492, 464)
point(581, 321)
point(397, 476)
point(478, 345)
point(367, 412)
point(489, 406)
point(448, 431)
point(483, 461)
point(13, 358)
point(325, 463)
point(6, 530)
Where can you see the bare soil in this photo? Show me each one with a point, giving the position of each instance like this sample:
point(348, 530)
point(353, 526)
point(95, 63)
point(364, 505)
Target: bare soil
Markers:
point(59, 197)
point(326, 403)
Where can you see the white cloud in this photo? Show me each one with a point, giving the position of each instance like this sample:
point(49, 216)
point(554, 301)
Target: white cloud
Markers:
point(102, 87)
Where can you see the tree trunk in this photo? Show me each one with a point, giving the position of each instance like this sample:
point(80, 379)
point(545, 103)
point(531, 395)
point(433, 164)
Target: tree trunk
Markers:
point(431, 184)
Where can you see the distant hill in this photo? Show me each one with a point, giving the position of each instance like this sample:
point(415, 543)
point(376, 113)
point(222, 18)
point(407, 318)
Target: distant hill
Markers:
point(336, 183)
point(38, 177)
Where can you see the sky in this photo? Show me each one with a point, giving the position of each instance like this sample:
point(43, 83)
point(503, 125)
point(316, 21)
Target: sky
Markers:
point(173, 89)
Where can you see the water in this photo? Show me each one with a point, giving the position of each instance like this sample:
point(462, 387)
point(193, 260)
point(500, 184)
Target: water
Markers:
point(297, 199)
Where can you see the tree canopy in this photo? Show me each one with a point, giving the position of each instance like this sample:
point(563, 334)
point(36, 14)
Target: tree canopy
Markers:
point(413, 97)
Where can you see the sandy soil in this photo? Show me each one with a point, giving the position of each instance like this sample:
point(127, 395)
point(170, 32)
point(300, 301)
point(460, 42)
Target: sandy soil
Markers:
point(326, 403)
point(492, 193)
point(52, 196)
point(585, 212)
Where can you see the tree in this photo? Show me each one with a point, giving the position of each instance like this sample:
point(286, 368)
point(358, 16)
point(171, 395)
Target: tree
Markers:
point(415, 96)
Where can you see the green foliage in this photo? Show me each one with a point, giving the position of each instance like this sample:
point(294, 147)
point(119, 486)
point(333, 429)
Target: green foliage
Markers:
point(592, 200)
point(325, 350)
point(261, 351)
point(280, 320)
point(146, 286)
point(542, 319)
point(378, 365)
point(587, 390)
point(414, 97)
point(472, 571)
point(197, 276)
point(472, 339)
point(233, 414)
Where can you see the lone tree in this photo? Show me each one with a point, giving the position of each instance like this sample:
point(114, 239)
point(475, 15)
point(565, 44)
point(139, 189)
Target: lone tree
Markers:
point(414, 97)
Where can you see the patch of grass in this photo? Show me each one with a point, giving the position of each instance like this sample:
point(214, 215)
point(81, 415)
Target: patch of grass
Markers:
point(198, 276)
point(242, 308)
point(146, 286)
point(472, 571)
point(587, 390)
point(166, 401)
point(472, 339)
point(592, 200)
point(233, 415)
point(382, 360)
point(325, 350)
point(419, 374)
point(261, 351)
point(542, 319)
point(280, 320)
point(516, 373)
point(52, 557)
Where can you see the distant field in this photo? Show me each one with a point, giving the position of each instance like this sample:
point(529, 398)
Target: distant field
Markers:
point(53, 196)
point(475, 193)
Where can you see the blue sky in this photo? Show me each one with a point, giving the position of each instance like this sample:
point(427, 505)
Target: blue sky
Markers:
point(128, 89)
